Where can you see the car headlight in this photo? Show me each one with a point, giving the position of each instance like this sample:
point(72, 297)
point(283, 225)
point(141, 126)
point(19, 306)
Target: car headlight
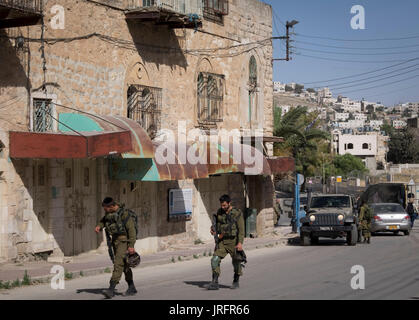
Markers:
point(341, 217)
point(312, 218)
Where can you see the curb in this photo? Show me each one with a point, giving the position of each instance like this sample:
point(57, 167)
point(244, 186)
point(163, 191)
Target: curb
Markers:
point(283, 241)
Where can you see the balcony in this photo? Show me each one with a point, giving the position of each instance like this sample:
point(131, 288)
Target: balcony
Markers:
point(19, 13)
point(173, 13)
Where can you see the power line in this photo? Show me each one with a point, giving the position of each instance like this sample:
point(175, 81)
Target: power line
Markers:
point(357, 40)
point(372, 77)
point(360, 54)
point(381, 85)
point(364, 73)
point(393, 91)
point(376, 80)
point(356, 48)
point(342, 60)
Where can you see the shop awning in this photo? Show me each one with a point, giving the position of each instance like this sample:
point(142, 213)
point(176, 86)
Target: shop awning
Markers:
point(171, 163)
point(82, 136)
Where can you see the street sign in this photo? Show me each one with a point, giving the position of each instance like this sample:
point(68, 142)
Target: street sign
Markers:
point(339, 179)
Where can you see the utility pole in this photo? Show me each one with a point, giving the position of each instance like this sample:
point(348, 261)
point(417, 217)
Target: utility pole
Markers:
point(287, 38)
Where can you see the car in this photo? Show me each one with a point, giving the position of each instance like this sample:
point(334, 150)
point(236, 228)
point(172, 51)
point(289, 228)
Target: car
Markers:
point(331, 216)
point(390, 217)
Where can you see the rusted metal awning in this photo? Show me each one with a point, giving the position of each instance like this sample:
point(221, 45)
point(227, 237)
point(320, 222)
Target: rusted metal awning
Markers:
point(281, 164)
point(84, 136)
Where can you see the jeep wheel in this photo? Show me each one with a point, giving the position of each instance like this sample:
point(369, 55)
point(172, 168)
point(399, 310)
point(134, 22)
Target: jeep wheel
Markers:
point(314, 240)
point(305, 240)
point(352, 236)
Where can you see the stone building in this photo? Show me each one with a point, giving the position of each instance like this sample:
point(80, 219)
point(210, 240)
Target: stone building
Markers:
point(73, 73)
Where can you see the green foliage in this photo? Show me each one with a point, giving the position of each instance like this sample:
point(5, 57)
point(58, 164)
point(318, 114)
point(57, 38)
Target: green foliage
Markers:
point(173, 259)
point(195, 256)
point(68, 275)
point(81, 274)
point(347, 165)
point(179, 258)
point(5, 285)
point(403, 147)
point(16, 283)
point(198, 241)
point(107, 270)
point(26, 279)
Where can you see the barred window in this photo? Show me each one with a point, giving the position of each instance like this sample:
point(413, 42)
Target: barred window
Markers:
point(210, 97)
point(42, 115)
point(144, 106)
point(218, 7)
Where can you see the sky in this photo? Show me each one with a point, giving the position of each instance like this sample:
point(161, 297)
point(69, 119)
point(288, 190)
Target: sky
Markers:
point(378, 70)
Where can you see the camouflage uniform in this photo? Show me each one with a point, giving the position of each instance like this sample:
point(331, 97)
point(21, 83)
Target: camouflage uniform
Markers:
point(123, 237)
point(364, 225)
point(231, 225)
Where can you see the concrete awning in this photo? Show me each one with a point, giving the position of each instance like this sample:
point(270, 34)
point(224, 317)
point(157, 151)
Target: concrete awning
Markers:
point(84, 136)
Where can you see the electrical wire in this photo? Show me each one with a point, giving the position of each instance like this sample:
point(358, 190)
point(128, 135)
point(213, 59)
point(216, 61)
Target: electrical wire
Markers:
point(375, 80)
point(373, 77)
point(356, 48)
point(382, 85)
point(358, 53)
point(364, 73)
point(351, 61)
point(357, 40)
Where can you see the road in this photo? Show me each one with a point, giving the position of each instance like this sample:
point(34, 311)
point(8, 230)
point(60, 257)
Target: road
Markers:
point(280, 273)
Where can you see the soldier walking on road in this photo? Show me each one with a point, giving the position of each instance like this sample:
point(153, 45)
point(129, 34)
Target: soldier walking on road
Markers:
point(120, 225)
point(228, 229)
point(365, 219)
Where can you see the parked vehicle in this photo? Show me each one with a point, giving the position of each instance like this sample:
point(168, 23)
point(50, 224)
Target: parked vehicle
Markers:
point(331, 216)
point(390, 217)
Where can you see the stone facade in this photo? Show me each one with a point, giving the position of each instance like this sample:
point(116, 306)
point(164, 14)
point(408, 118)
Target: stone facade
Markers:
point(89, 66)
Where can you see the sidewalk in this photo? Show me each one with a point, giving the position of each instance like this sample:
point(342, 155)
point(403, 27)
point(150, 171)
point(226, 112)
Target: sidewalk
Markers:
point(96, 263)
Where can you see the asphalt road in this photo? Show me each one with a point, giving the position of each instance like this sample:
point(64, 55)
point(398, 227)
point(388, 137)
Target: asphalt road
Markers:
point(280, 273)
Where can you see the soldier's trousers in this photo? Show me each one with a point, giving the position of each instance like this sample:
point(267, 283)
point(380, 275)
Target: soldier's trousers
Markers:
point(225, 247)
point(366, 229)
point(120, 247)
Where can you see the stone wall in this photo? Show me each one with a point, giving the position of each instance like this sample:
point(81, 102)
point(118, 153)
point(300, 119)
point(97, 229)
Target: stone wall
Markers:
point(91, 71)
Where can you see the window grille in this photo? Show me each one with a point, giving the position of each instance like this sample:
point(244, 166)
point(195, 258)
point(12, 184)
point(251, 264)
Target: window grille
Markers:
point(144, 106)
point(210, 97)
point(219, 7)
point(42, 111)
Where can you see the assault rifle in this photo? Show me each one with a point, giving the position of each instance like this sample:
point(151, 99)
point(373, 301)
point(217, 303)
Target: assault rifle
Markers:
point(109, 243)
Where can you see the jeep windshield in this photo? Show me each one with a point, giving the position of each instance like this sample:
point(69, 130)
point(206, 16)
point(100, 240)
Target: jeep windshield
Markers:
point(330, 202)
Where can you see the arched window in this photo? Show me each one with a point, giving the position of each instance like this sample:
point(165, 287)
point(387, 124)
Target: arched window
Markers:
point(365, 146)
point(350, 146)
point(210, 97)
point(144, 106)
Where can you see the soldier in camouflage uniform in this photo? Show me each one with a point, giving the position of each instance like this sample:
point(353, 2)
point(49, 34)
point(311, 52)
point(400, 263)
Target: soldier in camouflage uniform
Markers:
point(365, 222)
point(120, 225)
point(230, 231)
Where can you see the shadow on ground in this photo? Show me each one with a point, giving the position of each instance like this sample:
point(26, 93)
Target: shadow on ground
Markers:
point(97, 291)
point(203, 284)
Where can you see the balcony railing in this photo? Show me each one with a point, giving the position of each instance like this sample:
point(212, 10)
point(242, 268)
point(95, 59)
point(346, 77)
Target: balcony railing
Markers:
point(185, 7)
point(19, 13)
point(175, 13)
point(33, 6)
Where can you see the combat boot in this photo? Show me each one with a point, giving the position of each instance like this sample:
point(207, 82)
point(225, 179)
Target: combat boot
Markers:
point(369, 240)
point(132, 291)
point(110, 293)
point(236, 282)
point(214, 284)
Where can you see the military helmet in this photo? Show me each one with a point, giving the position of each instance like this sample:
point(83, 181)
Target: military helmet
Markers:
point(133, 260)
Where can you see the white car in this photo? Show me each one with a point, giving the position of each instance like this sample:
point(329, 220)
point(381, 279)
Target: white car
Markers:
point(390, 217)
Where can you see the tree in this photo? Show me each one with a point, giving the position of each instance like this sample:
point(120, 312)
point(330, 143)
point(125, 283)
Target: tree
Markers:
point(403, 147)
point(299, 88)
point(288, 88)
point(311, 90)
point(347, 164)
point(302, 138)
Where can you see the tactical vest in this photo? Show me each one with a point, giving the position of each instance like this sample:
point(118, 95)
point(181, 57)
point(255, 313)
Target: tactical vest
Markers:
point(114, 224)
point(227, 223)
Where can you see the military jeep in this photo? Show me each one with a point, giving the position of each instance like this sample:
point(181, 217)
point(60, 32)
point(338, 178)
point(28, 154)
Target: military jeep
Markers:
point(330, 216)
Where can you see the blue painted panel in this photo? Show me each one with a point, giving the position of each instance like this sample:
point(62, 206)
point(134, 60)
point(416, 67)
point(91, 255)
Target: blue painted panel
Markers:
point(133, 170)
